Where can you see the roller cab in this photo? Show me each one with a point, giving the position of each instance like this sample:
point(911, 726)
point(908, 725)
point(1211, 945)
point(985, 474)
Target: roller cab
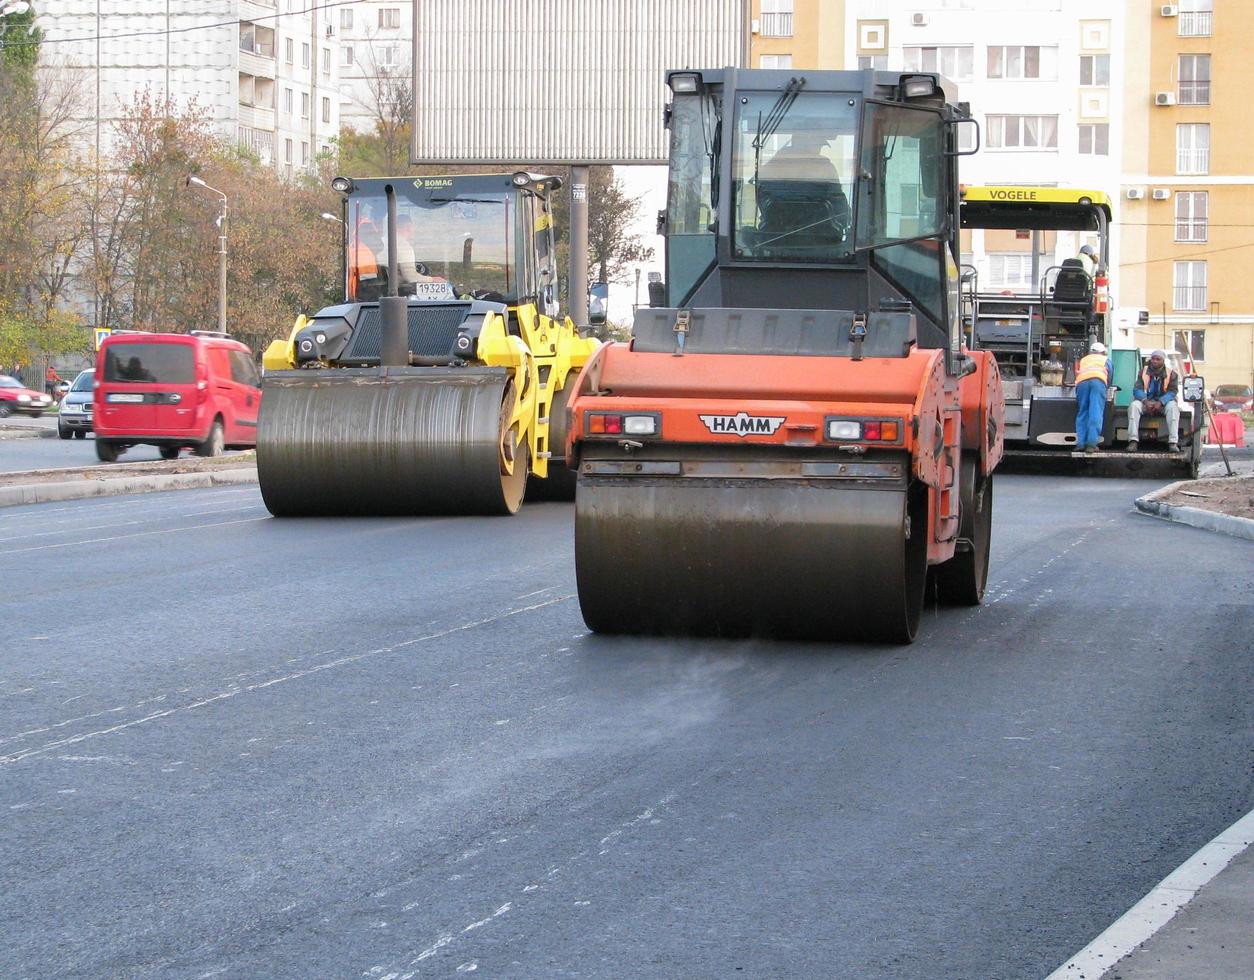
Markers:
point(436, 385)
point(795, 442)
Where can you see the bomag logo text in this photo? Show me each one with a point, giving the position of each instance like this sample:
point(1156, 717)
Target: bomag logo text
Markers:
point(742, 424)
point(433, 182)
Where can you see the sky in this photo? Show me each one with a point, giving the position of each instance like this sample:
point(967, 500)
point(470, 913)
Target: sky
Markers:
point(649, 183)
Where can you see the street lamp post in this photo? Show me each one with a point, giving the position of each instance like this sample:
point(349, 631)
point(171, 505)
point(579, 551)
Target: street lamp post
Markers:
point(221, 223)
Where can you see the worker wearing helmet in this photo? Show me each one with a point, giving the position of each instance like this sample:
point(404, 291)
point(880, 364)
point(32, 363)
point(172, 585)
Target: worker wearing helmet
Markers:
point(1091, 381)
point(1155, 394)
point(1088, 257)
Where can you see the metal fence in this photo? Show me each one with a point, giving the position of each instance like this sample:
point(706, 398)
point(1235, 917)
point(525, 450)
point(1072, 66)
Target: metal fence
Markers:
point(1193, 160)
point(1194, 93)
point(1189, 298)
point(776, 25)
point(1195, 23)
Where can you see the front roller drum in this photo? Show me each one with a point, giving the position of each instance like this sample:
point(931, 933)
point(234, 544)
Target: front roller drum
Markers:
point(388, 441)
point(750, 557)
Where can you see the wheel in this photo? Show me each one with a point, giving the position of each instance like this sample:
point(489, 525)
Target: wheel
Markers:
point(65, 433)
point(80, 433)
point(106, 451)
point(36, 415)
point(169, 452)
point(213, 445)
point(5, 410)
point(961, 580)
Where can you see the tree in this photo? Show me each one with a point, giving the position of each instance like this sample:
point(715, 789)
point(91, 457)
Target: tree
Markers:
point(613, 247)
point(384, 150)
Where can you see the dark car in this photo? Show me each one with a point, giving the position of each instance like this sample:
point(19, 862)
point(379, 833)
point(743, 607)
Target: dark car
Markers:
point(74, 419)
point(1233, 398)
point(16, 397)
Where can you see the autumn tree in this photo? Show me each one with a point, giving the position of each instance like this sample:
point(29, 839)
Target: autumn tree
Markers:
point(613, 244)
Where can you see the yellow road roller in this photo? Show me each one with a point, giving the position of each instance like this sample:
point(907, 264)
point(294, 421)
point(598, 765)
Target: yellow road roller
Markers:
point(439, 385)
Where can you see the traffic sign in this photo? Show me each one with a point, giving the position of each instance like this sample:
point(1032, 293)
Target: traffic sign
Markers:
point(101, 334)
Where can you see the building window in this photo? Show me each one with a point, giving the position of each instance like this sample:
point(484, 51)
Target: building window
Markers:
point(287, 50)
point(1022, 132)
point(1094, 69)
point(1193, 148)
point(1095, 139)
point(326, 109)
point(287, 101)
point(775, 61)
point(1192, 209)
point(1190, 344)
point(389, 17)
point(1010, 269)
point(1189, 294)
point(287, 152)
point(326, 61)
point(952, 61)
point(346, 18)
point(387, 55)
point(346, 54)
point(304, 55)
point(1017, 61)
point(304, 105)
point(304, 153)
point(776, 18)
point(1194, 79)
point(1195, 16)
point(873, 62)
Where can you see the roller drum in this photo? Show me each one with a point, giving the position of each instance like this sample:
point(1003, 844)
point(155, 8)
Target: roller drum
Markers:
point(386, 441)
point(750, 557)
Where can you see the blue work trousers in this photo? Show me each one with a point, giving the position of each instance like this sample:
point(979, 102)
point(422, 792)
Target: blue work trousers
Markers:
point(1090, 412)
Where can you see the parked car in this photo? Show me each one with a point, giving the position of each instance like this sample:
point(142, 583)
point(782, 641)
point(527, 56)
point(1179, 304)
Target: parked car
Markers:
point(74, 419)
point(1232, 398)
point(16, 397)
point(199, 390)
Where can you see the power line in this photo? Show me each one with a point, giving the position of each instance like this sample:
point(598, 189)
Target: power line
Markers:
point(176, 30)
point(1189, 255)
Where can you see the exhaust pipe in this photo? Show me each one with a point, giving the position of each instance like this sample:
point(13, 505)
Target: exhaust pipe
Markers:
point(393, 308)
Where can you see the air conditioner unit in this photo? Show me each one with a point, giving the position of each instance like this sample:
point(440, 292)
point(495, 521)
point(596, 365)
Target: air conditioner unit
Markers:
point(1134, 193)
point(1161, 194)
point(1168, 10)
point(918, 20)
point(1165, 98)
point(755, 27)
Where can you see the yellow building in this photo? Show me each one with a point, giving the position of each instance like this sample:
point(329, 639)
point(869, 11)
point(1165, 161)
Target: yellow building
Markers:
point(797, 33)
point(1187, 221)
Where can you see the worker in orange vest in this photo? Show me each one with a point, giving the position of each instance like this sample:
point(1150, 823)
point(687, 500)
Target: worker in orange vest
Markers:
point(1091, 381)
point(1155, 393)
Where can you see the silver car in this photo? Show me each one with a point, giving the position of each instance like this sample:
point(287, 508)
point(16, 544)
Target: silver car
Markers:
point(74, 419)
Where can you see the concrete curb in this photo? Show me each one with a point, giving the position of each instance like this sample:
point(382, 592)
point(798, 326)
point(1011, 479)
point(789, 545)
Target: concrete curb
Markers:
point(26, 432)
point(1207, 520)
point(43, 493)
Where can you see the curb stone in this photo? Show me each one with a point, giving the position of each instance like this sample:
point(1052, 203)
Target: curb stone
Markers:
point(42, 493)
point(1207, 520)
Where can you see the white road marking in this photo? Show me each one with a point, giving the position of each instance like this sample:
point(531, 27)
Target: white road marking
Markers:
point(104, 527)
point(138, 534)
point(1160, 906)
point(262, 685)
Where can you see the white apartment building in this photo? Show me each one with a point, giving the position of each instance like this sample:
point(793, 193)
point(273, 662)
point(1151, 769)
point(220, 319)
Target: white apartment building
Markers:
point(264, 70)
point(1038, 76)
point(375, 51)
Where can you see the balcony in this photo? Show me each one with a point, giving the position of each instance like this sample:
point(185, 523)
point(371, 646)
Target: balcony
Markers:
point(1189, 299)
point(1195, 23)
point(256, 50)
point(256, 117)
point(1194, 93)
point(1193, 160)
point(776, 25)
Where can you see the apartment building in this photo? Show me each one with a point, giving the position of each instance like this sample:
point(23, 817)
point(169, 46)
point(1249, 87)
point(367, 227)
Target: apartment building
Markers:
point(804, 33)
point(376, 44)
point(1187, 220)
point(264, 70)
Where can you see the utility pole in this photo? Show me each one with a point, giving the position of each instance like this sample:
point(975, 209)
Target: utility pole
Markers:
point(577, 291)
point(221, 223)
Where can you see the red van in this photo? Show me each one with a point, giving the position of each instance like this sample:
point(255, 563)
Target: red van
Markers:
point(172, 390)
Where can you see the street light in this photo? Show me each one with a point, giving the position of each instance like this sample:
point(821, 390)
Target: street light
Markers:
point(18, 7)
point(221, 223)
point(328, 216)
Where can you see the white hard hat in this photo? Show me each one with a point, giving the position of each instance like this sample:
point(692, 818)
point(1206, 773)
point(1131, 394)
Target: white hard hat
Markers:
point(1097, 347)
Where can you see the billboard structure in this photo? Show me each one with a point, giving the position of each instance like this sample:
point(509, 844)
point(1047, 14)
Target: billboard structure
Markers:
point(559, 83)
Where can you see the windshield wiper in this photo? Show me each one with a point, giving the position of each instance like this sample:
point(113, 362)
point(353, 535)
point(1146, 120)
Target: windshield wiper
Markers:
point(768, 126)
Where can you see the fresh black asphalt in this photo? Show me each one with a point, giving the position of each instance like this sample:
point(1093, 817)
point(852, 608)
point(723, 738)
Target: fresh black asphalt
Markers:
point(238, 746)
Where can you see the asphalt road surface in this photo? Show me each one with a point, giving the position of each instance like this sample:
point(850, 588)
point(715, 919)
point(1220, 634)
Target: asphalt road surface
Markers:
point(238, 746)
point(48, 454)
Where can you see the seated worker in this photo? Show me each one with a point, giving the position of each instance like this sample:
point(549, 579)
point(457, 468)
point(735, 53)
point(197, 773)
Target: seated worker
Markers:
point(1088, 258)
point(802, 161)
point(1155, 394)
point(367, 273)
